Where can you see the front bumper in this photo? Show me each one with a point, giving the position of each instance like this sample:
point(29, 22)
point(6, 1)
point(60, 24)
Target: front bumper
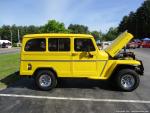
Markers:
point(140, 68)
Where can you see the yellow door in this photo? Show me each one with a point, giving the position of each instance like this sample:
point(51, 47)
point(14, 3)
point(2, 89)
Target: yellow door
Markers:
point(60, 55)
point(84, 58)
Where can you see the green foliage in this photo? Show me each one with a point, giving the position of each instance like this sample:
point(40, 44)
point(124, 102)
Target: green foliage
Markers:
point(76, 28)
point(137, 23)
point(5, 32)
point(111, 34)
point(54, 26)
point(97, 35)
point(14, 45)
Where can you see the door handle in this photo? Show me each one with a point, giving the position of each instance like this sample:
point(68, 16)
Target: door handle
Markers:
point(90, 55)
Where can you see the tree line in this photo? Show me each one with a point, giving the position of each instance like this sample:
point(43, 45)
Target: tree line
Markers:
point(138, 22)
point(52, 26)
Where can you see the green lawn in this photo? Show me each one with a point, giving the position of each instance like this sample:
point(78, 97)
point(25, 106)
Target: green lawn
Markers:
point(9, 64)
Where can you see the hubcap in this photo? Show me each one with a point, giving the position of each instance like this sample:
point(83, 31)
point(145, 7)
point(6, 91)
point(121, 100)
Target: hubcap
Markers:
point(45, 80)
point(127, 81)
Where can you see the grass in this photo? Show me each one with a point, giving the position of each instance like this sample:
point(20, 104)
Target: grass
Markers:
point(9, 64)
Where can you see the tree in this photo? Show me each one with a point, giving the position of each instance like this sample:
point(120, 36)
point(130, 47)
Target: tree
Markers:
point(97, 35)
point(0, 33)
point(111, 34)
point(54, 26)
point(76, 28)
point(32, 29)
point(143, 19)
point(14, 30)
point(5, 32)
point(123, 24)
point(137, 23)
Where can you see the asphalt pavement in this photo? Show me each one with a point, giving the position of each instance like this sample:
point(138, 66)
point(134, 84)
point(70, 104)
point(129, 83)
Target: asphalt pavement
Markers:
point(9, 50)
point(78, 95)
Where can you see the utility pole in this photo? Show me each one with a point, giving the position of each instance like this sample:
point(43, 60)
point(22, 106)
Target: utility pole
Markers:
point(11, 36)
point(18, 36)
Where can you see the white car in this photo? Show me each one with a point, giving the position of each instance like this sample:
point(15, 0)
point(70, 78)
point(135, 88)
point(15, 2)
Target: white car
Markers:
point(105, 44)
point(5, 44)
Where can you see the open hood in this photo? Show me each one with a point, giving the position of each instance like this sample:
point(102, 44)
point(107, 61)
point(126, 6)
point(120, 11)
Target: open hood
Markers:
point(118, 44)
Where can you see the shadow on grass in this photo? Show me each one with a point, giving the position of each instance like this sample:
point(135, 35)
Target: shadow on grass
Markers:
point(15, 81)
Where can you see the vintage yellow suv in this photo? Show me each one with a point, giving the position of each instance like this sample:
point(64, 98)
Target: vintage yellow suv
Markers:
point(47, 57)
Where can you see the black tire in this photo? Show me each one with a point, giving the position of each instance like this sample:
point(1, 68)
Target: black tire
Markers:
point(120, 78)
point(50, 75)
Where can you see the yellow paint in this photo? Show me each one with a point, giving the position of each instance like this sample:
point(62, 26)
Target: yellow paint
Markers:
point(72, 63)
point(119, 43)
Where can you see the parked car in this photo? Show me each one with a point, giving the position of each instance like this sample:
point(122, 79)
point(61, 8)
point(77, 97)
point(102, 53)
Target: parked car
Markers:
point(132, 45)
point(145, 44)
point(105, 44)
point(5, 44)
point(48, 57)
point(138, 42)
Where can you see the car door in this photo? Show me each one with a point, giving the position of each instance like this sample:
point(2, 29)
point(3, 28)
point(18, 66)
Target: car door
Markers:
point(84, 58)
point(60, 55)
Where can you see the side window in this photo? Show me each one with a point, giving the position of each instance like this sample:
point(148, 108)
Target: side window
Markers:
point(53, 44)
point(83, 44)
point(59, 44)
point(38, 44)
point(64, 44)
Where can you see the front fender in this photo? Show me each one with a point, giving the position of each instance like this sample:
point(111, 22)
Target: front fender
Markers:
point(112, 65)
point(128, 62)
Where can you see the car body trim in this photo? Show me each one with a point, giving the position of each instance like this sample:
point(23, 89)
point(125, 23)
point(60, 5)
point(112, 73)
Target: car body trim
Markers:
point(64, 60)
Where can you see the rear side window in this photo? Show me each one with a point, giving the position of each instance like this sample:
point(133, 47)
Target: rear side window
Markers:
point(38, 44)
point(59, 44)
point(83, 44)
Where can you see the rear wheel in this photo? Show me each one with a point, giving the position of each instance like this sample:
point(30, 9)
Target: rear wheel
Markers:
point(46, 80)
point(127, 79)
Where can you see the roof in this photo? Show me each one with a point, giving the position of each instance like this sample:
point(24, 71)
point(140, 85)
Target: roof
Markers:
point(57, 35)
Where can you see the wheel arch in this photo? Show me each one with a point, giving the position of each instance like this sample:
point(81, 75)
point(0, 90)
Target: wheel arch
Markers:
point(120, 67)
point(44, 68)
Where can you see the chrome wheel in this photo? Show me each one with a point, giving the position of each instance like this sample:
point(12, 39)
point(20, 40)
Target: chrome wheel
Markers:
point(127, 81)
point(45, 80)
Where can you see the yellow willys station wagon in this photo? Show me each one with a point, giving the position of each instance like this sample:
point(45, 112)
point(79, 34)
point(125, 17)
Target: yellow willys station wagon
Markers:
point(47, 57)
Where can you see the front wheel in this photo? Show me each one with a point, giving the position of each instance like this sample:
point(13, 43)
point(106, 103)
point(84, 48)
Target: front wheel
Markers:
point(127, 79)
point(46, 80)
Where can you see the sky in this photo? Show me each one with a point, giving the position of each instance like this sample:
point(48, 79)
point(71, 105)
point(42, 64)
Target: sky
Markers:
point(96, 14)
